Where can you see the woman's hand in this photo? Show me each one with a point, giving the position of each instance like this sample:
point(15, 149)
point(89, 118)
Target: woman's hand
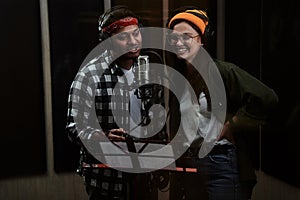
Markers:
point(227, 131)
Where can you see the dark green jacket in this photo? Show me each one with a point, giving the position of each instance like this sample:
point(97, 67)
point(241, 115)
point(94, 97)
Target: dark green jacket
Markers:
point(247, 97)
point(251, 101)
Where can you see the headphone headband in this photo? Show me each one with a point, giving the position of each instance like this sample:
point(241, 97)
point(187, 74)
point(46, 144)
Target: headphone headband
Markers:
point(111, 16)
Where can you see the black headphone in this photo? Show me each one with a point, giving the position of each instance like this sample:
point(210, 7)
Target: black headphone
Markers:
point(208, 32)
point(106, 16)
point(103, 20)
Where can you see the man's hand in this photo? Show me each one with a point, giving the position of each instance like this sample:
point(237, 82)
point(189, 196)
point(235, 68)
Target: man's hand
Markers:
point(116, 134)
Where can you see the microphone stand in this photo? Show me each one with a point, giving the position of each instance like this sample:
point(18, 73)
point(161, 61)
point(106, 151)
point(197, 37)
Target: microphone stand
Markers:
point(145, 92)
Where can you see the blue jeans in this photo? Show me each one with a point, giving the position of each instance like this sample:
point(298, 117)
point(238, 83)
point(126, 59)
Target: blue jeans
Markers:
point(217, 177)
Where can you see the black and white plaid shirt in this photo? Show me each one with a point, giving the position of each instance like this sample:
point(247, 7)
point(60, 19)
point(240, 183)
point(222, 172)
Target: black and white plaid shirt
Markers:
point(93, 95)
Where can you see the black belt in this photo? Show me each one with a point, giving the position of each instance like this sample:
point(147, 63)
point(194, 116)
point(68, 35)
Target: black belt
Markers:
point(221, 148)
point(191, 152)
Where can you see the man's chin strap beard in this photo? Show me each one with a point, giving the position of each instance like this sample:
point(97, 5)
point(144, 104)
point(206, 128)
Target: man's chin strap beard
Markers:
point(124, 62)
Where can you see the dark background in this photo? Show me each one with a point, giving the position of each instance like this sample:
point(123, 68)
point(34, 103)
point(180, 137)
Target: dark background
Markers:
point(73, 34)
point(262, 37)
point(22, 135)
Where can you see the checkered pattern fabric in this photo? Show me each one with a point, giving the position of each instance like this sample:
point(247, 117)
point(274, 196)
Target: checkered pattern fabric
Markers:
point(90, 104)
point(98, 101)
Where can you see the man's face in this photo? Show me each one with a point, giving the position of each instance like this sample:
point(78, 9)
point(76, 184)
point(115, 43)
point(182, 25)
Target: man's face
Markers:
point(127, 41)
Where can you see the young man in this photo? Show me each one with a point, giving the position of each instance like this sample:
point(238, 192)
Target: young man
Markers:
point(95, 91)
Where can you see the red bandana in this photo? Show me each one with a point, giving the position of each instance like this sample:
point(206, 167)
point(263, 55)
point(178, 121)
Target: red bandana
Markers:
point(120, 24)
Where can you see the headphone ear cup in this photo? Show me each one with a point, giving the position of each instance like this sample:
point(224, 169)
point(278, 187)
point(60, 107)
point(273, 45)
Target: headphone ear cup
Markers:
point(105, 17)
point(209, 31)
point(103, 36)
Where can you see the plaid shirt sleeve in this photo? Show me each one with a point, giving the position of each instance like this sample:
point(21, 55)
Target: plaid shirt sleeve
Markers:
point(88, 110)
point(89, 101)
point(80, 105)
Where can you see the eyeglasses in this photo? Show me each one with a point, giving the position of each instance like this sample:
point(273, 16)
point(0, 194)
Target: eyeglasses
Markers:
point(184, 38)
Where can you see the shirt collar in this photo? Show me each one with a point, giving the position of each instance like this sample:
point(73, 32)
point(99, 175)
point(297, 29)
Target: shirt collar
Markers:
point(115, 69)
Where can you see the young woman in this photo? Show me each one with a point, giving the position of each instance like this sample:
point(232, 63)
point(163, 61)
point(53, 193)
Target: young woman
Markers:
point(226, 172)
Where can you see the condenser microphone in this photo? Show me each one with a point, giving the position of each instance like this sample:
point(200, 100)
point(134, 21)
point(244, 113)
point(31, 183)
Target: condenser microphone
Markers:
point(143, 70)
point(144, 90)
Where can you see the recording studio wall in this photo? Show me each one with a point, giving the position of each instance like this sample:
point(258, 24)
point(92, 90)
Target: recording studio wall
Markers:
point(263, 38)
point(22, 137)
point(73, 34)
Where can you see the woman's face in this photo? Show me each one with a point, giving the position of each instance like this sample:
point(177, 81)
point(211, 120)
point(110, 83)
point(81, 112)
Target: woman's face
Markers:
point(185, 40)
